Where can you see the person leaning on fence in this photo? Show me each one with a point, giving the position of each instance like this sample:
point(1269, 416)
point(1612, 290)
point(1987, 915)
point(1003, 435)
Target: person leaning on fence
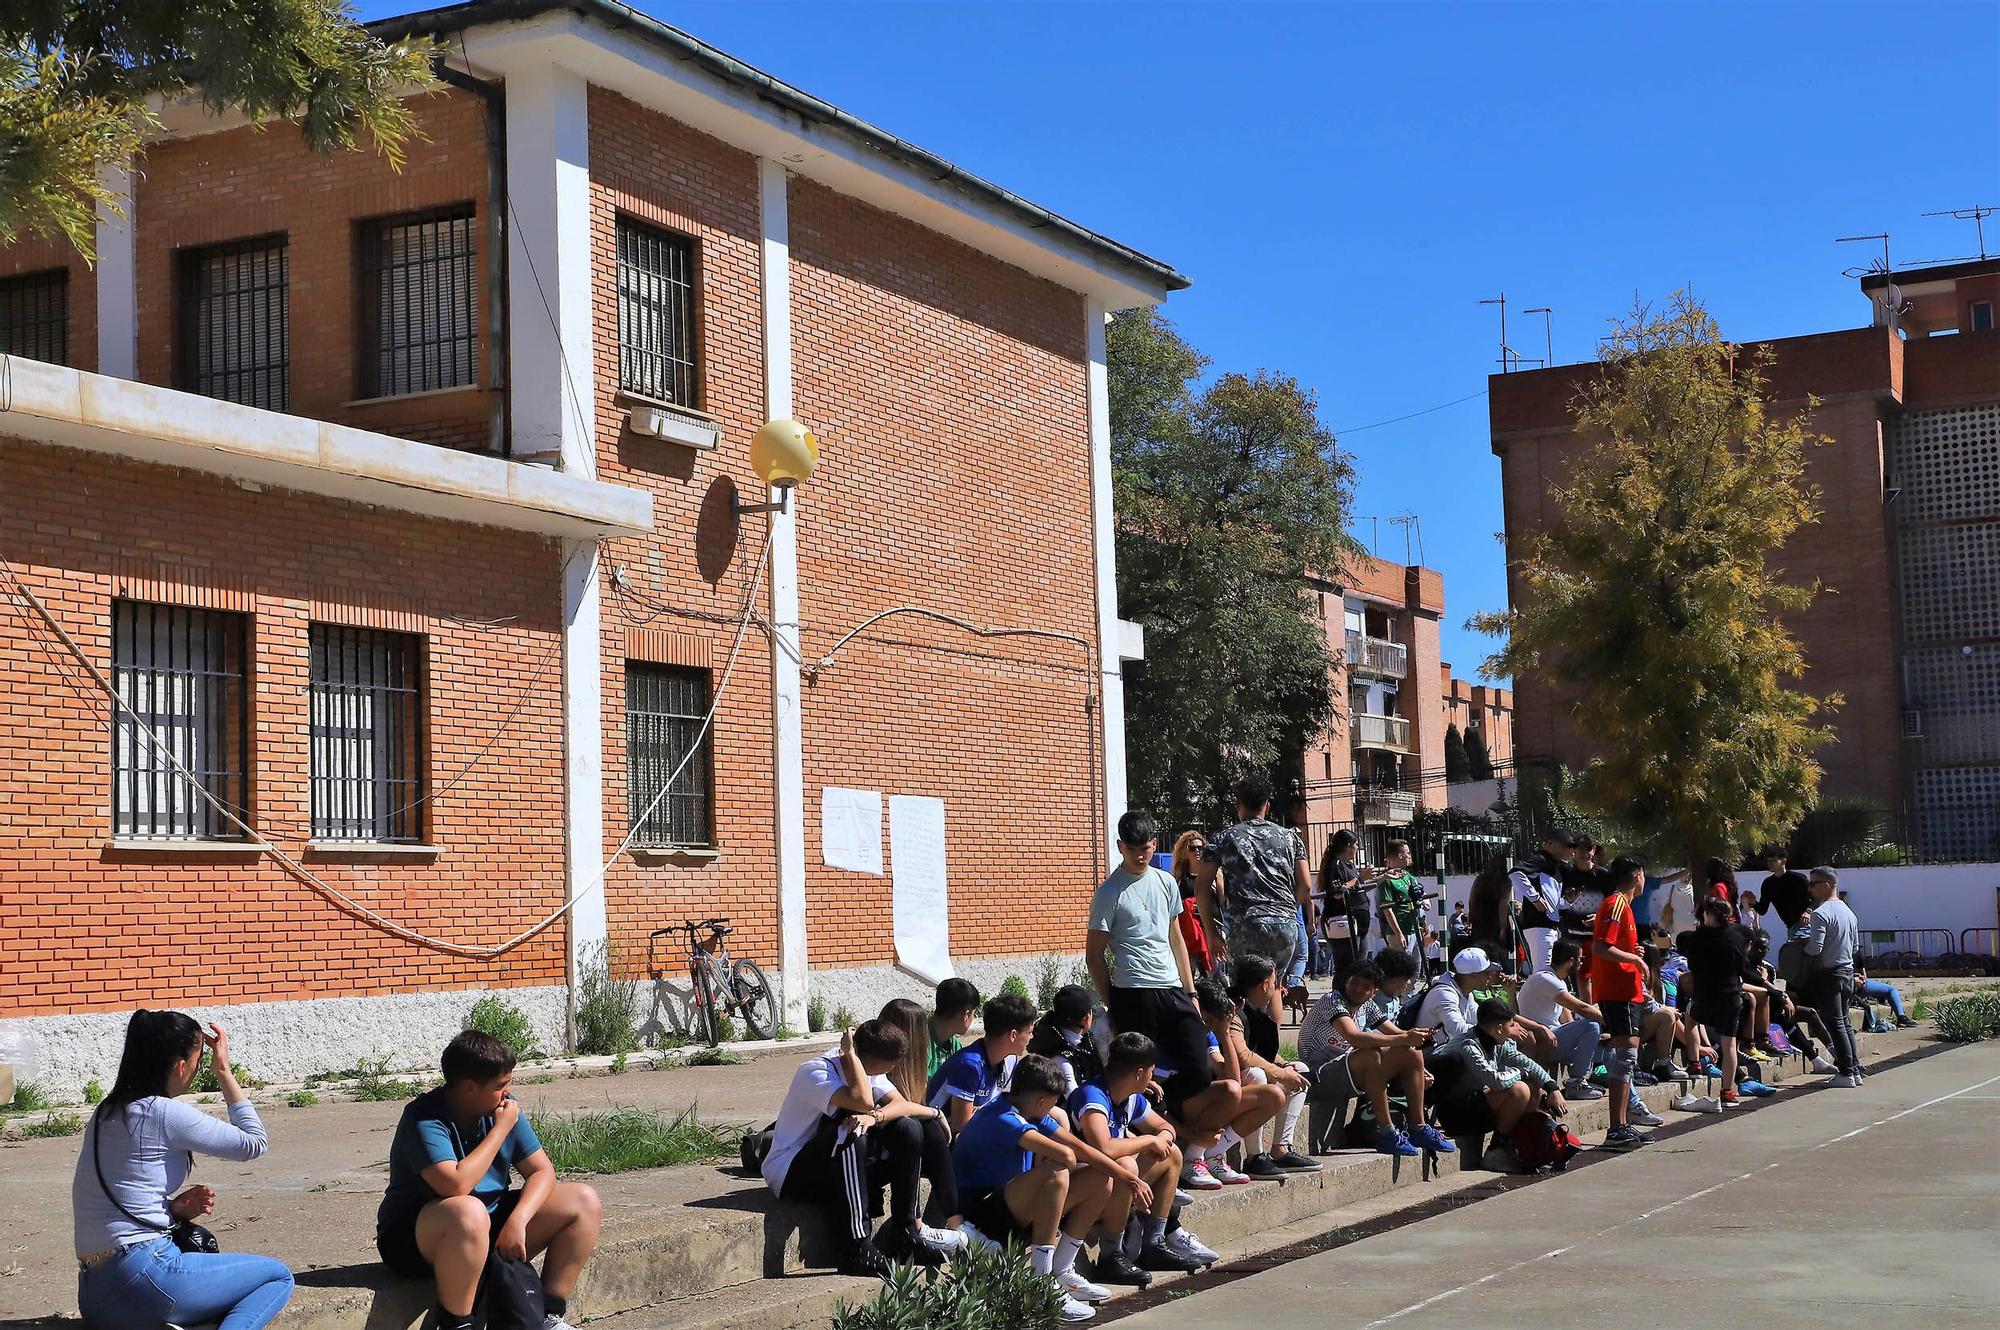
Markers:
point(1489, 1084)
point(137, 1151)
point(449, 1201)
point(843, 1131)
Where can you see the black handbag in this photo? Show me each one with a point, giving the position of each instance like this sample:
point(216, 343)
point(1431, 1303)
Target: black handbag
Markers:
point(510, 1295)
point(184, 1233)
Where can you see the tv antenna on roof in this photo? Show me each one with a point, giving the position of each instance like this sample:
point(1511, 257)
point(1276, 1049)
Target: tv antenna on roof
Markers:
point(1893, 304)
point(1508, 356)
point(1548, 333)
point(1976, 214)
point(1410, 522)
point(1867, 270)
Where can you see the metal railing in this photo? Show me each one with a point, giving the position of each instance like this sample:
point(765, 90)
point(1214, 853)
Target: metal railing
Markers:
point(1376, 655)
point(1904, 948)
point(1377, 805)
point(1384, 730)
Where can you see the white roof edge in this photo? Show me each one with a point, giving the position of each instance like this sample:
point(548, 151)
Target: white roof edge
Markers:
point(72, 408)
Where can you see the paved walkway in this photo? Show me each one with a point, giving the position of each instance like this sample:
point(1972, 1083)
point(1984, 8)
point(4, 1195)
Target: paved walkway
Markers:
point(1835, 1207)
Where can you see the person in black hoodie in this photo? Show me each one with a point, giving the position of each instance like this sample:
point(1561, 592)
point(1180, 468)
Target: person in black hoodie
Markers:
point(1716, 957)
point(1063, 1036)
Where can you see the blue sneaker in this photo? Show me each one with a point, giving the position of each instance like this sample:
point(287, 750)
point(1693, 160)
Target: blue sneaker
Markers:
point(1430, 1138)
point(1756, 1089)
point(1708, 1067)
point(1390, 1141)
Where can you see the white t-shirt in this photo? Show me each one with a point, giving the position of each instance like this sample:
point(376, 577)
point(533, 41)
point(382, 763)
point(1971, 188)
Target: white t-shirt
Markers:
point(814, 1085)
point(1537, 999)
point(1447, 1011)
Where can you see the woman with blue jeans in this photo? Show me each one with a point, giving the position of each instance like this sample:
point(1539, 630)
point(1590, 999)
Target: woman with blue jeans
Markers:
point(137, 1153)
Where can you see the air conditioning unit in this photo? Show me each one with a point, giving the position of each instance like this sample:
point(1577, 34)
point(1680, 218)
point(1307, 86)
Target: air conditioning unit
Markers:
point(665, 422)
point(1913, 723)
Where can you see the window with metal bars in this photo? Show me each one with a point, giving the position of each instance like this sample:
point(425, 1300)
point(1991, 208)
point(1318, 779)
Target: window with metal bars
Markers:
point(656, 341)
point(664, 709)
point(367, 734)
point(235, 326)
point(34, 316)
point(417, 328)
point(181, 672)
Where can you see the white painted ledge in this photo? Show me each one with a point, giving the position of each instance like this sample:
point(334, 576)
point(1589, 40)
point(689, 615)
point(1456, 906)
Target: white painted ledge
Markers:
point(1131, 640)
point(70, 408)
point(167, 847)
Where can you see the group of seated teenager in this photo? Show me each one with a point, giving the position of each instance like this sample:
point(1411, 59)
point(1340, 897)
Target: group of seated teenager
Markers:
point(450, 1204)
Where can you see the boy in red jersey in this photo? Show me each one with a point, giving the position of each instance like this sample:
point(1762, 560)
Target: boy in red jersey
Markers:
point(1618, 982)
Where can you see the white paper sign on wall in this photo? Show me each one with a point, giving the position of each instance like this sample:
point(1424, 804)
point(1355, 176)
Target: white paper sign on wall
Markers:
point(850, 826)
point(918, 887)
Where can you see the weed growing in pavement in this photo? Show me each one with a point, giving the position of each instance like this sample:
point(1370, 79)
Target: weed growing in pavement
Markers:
point(507, 1023)
point(815, 1013)
point(206, 1083)
point(607, 1007)
point(60, 1124)
point(628, 1138)
point(301, 1099)
point(1048, 981)
point(93, 1092)
point(712, 1057)
point(28, 1098)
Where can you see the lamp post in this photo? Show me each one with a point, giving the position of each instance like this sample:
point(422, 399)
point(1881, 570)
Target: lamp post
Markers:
point(785, 453)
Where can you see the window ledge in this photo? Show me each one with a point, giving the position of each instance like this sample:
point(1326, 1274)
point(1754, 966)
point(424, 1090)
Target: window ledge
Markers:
point(164, 846)
point(371, 848)
point(688, 855)
point(387, 398)
point(629, 397)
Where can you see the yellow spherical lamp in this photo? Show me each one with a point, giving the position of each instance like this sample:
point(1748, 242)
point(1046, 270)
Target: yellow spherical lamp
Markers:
point(785, 453)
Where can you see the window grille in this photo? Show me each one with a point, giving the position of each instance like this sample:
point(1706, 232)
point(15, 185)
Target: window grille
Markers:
point(235, 327)
point(34, 316)
point(656, 351)
point(181, 671)
point(664, 710)
point(367, 735)
point(417, 327)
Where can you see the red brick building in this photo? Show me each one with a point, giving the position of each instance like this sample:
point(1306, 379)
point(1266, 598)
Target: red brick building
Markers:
point(1480, 709)
point(429, 566)
point(1910, 490)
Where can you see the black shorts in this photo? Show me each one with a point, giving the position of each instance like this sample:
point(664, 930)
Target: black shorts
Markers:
point(1721, 1014)
point(1168, 1017)
point(985, 1208)
point(1622, 1019)
point(396, 1239)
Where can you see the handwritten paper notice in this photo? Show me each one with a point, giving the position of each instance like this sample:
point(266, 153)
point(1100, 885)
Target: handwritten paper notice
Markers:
point(850, 827)
point(917, 887)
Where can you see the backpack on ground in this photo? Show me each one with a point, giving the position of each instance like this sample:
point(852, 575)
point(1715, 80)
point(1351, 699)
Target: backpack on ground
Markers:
point(1541, 1141)
point(755, 1148)
point(510, 1295)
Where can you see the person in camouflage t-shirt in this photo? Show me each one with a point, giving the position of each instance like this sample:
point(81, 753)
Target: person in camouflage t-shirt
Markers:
point(1264, 880)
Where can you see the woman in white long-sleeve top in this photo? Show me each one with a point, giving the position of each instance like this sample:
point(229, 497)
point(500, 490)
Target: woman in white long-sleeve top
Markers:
point(137, 1153)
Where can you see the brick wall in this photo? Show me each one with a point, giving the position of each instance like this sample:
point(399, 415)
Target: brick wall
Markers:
point(87, 928)
point(34, 254)
point(243, 183)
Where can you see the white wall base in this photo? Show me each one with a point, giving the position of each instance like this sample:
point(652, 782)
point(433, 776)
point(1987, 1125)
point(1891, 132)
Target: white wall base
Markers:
point(864, 989)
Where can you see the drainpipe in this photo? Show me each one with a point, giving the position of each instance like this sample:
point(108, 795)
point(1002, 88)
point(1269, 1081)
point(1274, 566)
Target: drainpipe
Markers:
point(496, 249)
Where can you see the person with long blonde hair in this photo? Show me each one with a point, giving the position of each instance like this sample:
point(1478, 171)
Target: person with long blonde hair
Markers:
point(1187, 852)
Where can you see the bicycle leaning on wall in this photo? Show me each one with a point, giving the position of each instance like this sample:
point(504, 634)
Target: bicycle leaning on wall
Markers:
point(718, 988)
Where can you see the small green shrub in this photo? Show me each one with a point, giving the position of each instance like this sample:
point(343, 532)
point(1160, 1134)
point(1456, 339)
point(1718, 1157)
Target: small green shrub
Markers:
point(1079, 974)
point(984, 1291)
point(725, 1029)
point(607, 1007)
point(1969, 1019)
point(60, 1124)
point(28, 1098)
point(713, 1057)
point(785, 1032)
point(373, 1084)
point(1048, 981)
point(628, 1138)
point(618, 1063)
point(507, 1023)
point(93, 1092)
point(843, 1019)
point(816, 1013)
point(301, 1099)
point(1016, 985)
point(1288, 1052)
point(205, 1081)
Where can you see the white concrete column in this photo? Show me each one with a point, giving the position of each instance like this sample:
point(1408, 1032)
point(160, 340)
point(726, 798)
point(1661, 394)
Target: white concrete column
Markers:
point(550, 351)
point(118, 278)
point(788, 761)
point(1116, 641)
point(583, 746)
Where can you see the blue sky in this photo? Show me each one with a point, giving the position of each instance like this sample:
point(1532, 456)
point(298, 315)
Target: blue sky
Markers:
point(1344, 182)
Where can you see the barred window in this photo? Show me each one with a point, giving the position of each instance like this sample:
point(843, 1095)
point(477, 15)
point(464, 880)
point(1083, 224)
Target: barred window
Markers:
point(181, 671)
point(235, 328)
point(664, 710)
point(367, 734)
point(417, 329)
point(656, 351)
point(34, 316)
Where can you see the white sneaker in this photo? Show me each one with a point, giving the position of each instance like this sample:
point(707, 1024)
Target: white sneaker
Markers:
point(1183, 1243)
point(1689, 1103)
point(1183, 1197)
point(1641, 1116)
point(1845, 1082)
point(1219, 1169)
point(974, 1240)
point(944, 1239)
point(555, 1322)
point(1074, 1284)
point(1197, 1177)
point(1072, 1310)
point(1823, 1067)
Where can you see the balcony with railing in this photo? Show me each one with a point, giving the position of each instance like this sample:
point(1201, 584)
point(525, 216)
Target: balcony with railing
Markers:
point(1372, 731)
point(1381, 805)
point(1373, 655)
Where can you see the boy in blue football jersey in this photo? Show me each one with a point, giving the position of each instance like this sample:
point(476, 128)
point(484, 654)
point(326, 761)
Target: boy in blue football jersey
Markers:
point(1110, 1112)
point(974, 1076)
point(1020, 1167)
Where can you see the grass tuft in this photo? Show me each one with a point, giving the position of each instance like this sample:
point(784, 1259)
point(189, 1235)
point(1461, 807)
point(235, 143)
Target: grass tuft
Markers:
point(629, 1138)
point(59, 1124)
point(28, 1098)
point(302, 1099)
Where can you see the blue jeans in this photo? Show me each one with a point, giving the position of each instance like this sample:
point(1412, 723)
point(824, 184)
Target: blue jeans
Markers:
point(1576, 1046)
point(1881, 992)
point(1295, 973)
point(152, 1283)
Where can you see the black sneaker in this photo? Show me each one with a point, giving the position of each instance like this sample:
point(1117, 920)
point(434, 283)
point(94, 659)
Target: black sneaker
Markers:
point(1158, 1256)
point(865, 1258)
point(1294, 1162)
point(1114, 1267)
point(1625, 1138)
point(906, 1245)
point(1905, 1023)
point(1262, 1167)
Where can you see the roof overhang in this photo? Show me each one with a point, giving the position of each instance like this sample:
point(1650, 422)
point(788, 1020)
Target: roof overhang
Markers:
point(69, 408)
point(660, 67)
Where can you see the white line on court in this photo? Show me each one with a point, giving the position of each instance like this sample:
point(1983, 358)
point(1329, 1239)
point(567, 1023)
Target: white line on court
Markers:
point(1436, 1298)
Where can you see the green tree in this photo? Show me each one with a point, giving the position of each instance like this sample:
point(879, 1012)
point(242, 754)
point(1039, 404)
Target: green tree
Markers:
point(75, 76)
point(1228, 494)
point(1457, 766)
point(1650, 602)
point(1478, 762)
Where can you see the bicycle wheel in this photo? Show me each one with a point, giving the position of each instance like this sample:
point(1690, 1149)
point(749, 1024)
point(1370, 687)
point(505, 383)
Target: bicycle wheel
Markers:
point(752, 996)
point(704, 1004)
